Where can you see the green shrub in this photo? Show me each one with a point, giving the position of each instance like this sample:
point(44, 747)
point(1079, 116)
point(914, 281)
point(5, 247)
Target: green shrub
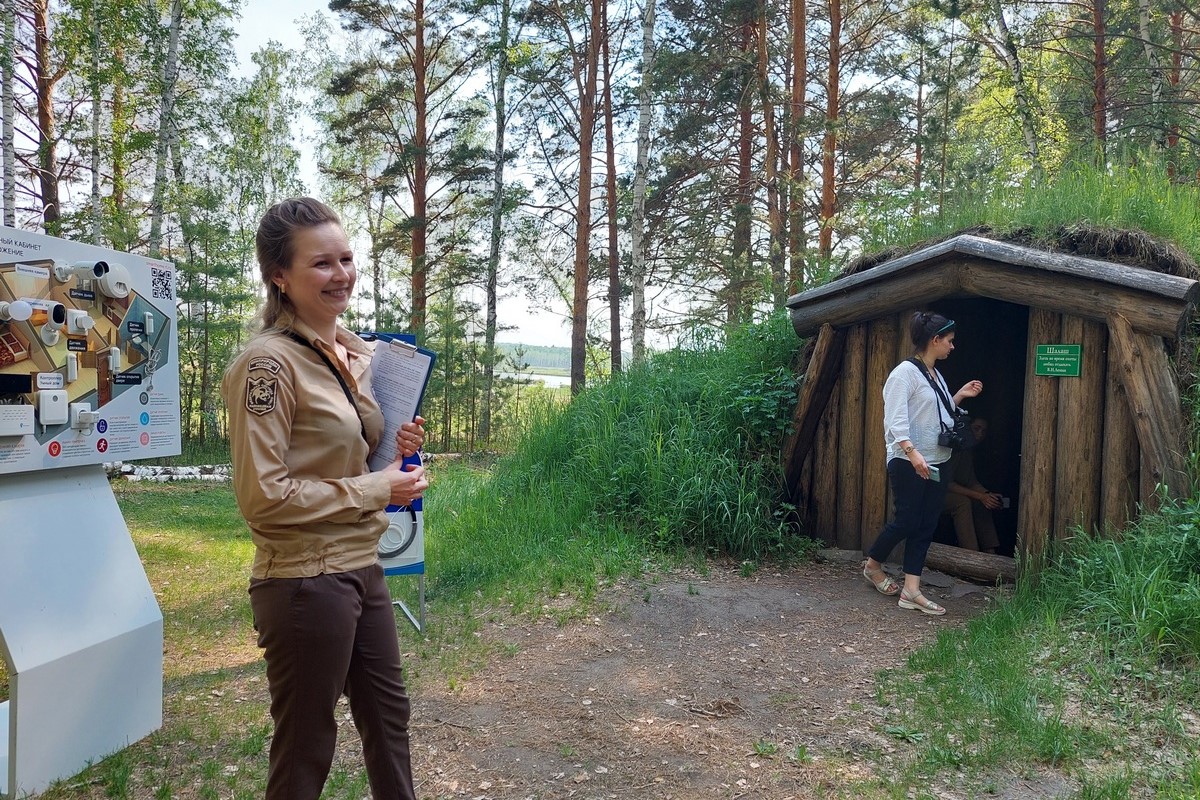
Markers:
point(680, 452)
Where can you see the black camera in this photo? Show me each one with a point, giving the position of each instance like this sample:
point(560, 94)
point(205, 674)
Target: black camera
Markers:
point(951, 439)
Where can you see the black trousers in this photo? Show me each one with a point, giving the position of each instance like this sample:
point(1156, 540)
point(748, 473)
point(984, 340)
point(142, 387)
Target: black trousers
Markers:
point(918, 506)
point(322, 637)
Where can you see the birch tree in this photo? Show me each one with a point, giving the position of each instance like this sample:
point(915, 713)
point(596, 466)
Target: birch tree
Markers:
point(166, 124)
point(638, 225)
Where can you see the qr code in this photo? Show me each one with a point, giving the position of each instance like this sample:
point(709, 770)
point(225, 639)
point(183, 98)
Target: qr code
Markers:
point(160, 283)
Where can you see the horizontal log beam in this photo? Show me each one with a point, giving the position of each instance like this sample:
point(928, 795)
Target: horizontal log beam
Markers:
point(929, 274)
point(1088, 299)
point(971, 564)
point(890, 294)
point(1159, 284)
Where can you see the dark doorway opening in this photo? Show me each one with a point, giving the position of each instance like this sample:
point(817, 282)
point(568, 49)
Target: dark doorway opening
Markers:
point(990, 345)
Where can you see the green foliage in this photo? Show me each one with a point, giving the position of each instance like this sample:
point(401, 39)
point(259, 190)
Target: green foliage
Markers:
point(1136, 194)
point(115, 772)
point(681, 451)
point(765, 748)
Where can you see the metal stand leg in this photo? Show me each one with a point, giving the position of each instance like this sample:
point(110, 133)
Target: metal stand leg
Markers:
point(418, 620)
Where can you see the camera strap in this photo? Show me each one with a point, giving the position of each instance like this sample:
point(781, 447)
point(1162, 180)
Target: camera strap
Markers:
point(940, 392)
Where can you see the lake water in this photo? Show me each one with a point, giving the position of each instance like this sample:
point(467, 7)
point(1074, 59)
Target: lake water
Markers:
point(549, 381)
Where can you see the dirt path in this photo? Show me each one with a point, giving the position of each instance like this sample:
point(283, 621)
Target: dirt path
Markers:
point(691, 686)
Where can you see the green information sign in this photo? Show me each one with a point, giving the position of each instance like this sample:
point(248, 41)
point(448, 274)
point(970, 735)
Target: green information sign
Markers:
point(1057, 360)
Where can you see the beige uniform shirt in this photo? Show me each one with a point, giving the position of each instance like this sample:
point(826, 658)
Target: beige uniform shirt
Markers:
point(299, 458)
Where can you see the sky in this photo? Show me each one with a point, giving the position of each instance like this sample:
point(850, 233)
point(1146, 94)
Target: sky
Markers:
point(265, 20)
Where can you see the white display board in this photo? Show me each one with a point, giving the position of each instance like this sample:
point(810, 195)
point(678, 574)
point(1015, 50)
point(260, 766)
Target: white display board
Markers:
point(89, 367)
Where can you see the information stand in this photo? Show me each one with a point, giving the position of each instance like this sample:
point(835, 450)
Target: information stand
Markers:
point(89, 373)
point(402, 552)
point(400, 375)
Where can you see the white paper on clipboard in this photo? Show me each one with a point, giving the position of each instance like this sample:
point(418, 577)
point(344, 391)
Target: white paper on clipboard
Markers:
point(399, 373)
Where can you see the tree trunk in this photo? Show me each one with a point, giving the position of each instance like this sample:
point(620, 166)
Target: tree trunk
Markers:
point(1158, 76)
point(47, 155)
point(610, 157)
point(776, 247)
point(638, 234)
point(420, 187)
point(10, 156)
point(94, 82)
point(186, 224)
point(829, 146)
point(1006, 49)
point(503, 70)
point(919, 154)
point(1099, 79)
point(166, 111)
point(119, 124)
point(1173, 79)
point(946, 125)
point(739, 267)
point(795, 194)
point(586, 79)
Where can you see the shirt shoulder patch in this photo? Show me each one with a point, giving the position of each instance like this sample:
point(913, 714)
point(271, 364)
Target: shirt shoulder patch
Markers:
point(264, 362)
point(260, 394)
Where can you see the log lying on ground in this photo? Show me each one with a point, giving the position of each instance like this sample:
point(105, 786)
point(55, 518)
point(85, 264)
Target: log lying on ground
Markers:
point(971, 564)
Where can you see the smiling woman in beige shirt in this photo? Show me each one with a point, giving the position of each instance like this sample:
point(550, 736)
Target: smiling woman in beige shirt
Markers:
point(302, 425)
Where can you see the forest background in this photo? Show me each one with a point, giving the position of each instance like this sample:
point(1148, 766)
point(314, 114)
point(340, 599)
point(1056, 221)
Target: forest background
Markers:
point(659, 171)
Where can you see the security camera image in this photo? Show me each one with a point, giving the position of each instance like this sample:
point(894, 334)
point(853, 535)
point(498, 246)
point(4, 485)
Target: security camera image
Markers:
point(100, 344)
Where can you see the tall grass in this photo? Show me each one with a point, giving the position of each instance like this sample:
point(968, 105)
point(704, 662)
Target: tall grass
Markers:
point(1092, 667)
point(680, 452)
point(1138, 195)
point(677, 456)
point(1140, 590)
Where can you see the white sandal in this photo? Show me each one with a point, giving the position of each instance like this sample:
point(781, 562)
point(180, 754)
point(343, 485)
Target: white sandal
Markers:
point(885, 585)
point(921, 603)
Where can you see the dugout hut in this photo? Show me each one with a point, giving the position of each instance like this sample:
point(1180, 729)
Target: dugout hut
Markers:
point(1080, 348)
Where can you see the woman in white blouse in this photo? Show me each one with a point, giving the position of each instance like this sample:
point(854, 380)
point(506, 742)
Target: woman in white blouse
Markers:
point(912, 417)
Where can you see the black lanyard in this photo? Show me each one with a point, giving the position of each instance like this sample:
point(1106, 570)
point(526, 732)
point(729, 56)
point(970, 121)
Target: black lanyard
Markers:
point(937, 389)
point(341, 381)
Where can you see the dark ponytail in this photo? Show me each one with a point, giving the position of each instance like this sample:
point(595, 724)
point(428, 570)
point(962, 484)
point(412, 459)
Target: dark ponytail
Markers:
point(924, 325)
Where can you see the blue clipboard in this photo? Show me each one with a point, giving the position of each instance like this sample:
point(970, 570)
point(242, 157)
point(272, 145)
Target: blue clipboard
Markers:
point(401, 549)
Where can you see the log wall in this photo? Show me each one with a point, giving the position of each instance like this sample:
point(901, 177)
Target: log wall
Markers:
point(881, 359)
point(848, 461)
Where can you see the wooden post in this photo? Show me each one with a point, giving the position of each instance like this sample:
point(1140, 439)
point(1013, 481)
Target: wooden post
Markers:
point(802, 492)
point(881, 349)
point(823, 504)
point(849, 462)
point(1149, 381)
point(904, 349)
point(1080, 417)
point(819, 378)
point(1121, 454)
point(1036, 509)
